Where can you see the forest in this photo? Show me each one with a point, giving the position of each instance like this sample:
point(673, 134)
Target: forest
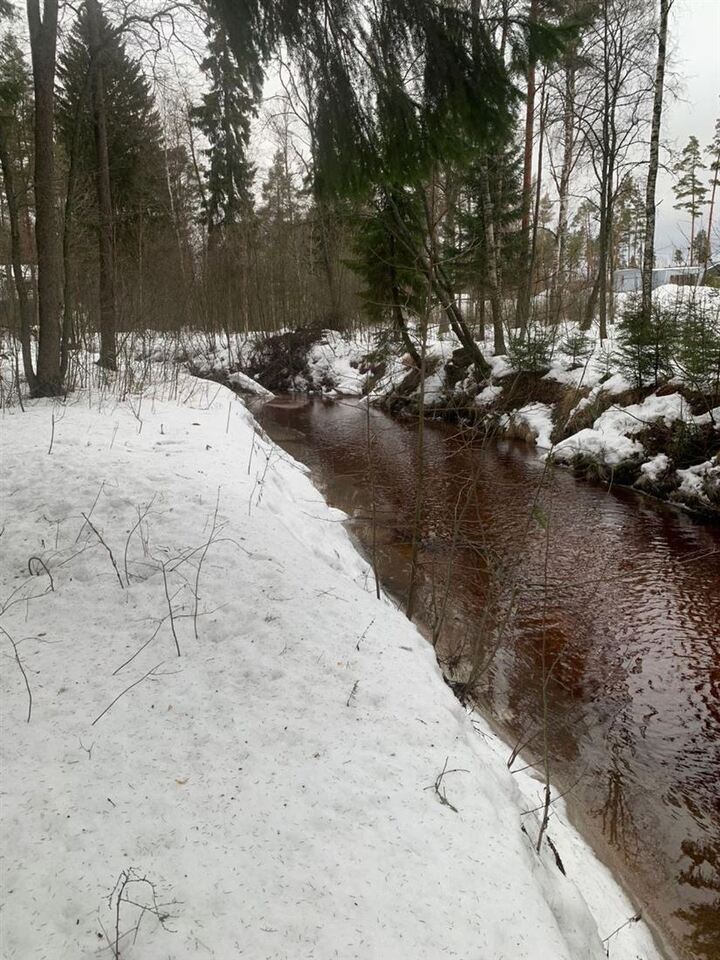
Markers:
point(360, 481)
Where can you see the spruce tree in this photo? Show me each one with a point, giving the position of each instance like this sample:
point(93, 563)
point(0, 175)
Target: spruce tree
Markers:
point(15, 110)
point(690, 191)
point(137, 167)
point(224, 117)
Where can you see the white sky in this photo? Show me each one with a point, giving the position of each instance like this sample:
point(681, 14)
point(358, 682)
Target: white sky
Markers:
point(695, 45)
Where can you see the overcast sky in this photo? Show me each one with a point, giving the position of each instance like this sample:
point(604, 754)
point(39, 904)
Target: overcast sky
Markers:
point(695, 61)
point(695, 45)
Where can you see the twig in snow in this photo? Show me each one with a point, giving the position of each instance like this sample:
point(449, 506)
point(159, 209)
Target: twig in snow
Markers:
point(141, 517)
point(120, 895)
point(45, 568)
point(636, 919)
point(352, 693)
point(200, 563)
point(364, 634)
point(140, 650)
point(170, 608)
point(110, 553)
point(127, 690)
point(440, 789)
point(22, 671)
point(77, 538)
point(52, 432)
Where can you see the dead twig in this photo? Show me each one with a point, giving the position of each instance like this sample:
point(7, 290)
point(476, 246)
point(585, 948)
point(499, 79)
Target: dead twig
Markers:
point(45, 568)
point(364, 634)
point(127, 690)
point(440, 789)
point(110, 553)
point(163, 567)
point(22, 671)
point(77, 538)
point(208, 544)
point(141, 517)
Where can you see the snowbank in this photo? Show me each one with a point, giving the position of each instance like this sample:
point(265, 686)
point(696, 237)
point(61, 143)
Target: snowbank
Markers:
point(269, 793)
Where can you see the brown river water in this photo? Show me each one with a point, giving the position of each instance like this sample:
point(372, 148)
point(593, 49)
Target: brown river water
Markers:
point(611, 598)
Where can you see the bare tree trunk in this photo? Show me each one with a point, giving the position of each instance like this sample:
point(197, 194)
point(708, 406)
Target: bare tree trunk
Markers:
point(649, 253)
point(523, 302)
point(492, 261)
point(25, 307)
point(70, 198)
point(419, 475)
point(564, 185)
point(43, 47)
point(708, 248)
point(538, 187)
point(108, 323)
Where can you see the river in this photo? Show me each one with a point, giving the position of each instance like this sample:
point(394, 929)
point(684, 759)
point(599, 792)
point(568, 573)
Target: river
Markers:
point(607, 601)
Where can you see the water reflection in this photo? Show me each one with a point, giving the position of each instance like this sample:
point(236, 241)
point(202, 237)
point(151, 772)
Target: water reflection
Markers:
point(620, 595)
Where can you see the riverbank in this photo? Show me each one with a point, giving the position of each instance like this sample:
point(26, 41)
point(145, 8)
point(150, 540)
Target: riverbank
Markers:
point(216, 740)
point(569, 395)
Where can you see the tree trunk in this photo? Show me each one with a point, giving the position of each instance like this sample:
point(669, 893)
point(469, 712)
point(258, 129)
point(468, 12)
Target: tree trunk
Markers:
point(649, 253)
point(70, 198)
point(108, 346)
point(25, 307)
point(564, 185)
point(43, 46)
point(523, 303)
point(492, 262)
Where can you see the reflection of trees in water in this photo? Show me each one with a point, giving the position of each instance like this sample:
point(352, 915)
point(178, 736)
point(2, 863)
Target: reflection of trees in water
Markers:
point(617, 821)
point(703, 873)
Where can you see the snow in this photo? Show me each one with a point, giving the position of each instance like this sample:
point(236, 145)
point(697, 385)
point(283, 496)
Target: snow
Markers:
point(500, 366)
point(538, 417)
point(611, 448)
point(610, 438)
point(335, 358)
point(244, 384)
point(275, 781)
point(656, 466)
point(697, 482)
point(487, 396)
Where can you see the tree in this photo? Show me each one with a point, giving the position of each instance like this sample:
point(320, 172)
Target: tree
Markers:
point(224, 118)
point(649, 255)
point(106, 254)
point(714, 164)
point(701, 247)
point(43, 47)
point(689, 190)
point(618, 46)
point(110, 133)
point(15, 86)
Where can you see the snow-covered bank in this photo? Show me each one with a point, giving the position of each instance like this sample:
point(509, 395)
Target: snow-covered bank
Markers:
point(275, 783)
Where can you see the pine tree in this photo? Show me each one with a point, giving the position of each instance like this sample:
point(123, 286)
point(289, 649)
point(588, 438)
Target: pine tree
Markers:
point(224, 118)
point(713, 151)
point(689, 190)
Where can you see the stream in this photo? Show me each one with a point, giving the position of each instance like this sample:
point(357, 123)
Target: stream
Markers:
point(610, 598)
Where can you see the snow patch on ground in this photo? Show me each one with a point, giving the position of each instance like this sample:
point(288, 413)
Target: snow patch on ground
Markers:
point(272, 781)
point(656, 466)
point(538, 417)
point(244, 384)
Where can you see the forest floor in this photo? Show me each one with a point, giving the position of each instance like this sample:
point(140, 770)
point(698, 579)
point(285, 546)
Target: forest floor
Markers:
point(579, 407)
point(217, 742)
